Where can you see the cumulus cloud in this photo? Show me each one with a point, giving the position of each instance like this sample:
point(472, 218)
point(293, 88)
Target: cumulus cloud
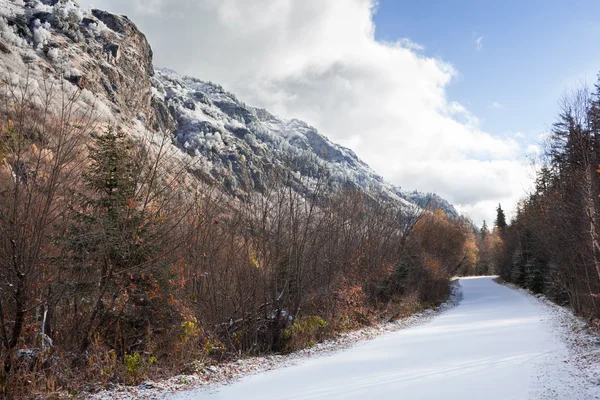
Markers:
point(319, 61)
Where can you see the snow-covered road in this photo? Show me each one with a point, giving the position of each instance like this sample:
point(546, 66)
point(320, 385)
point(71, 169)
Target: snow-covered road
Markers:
point(497, 344)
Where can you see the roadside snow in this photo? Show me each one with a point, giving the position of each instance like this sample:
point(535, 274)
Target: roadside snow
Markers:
point(499, 343)
point(217, 376)
point(581, 359)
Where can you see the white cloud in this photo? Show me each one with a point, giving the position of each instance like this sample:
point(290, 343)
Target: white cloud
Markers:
point(319, 61)
point(409, 44)
point(534, 149)
point(479, 43)
point(495, 105)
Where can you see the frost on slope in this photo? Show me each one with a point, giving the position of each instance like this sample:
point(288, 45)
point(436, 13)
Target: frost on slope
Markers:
point(109, 59)
point(101, 56)
point(430, 201)
point(38, 55)
point(243, 145)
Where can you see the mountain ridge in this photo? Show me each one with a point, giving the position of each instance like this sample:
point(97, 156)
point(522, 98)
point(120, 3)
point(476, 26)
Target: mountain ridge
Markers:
point(110, 60)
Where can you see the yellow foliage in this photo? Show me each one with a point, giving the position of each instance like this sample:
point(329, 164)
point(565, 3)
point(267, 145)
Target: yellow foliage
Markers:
point(439, 213)
point(434, 265)
point(471, 251)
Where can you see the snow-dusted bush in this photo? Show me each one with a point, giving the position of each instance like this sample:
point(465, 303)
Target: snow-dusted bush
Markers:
point(213, 139)
point(9, 12)
point(98, 28)
point(68, 12)
point(89, 101)
point(251, 140)
point(73, 73)
point(38, 6)
point(53, 54)
point(41, 34)
point(194, 141)
point(9, 34)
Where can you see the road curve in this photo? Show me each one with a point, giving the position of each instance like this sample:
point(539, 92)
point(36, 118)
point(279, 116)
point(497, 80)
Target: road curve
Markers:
point(491, 346)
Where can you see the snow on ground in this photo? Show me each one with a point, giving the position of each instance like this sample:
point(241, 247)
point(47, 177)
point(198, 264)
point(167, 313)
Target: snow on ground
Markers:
point(582, 359)
point(216, 376)
point(498, 343)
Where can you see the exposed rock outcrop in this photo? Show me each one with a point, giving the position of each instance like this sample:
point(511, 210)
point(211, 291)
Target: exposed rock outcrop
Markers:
point(110, 60)
point(103, 53)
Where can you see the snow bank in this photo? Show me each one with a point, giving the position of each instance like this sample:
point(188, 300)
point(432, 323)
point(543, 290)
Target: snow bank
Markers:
point(214, 377)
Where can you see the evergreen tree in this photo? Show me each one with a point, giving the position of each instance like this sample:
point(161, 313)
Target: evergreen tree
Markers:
point(500, 222)
point(484, 230)
point(115, 242)
point(534, 279)
point(518, 274)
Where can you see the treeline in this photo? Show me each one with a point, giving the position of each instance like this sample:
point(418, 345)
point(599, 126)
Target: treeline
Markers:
point(489, 244)
point(116, 264)
point(552, 245)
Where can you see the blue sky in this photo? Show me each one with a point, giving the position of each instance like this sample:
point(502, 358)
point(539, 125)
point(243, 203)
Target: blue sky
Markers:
point(532, 51)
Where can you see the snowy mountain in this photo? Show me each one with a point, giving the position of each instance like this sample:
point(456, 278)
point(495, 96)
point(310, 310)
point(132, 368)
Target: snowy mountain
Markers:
point(109, 60)
point(241, 144)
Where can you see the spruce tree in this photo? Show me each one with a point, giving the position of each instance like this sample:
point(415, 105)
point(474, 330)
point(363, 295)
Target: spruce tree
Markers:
point(500, 222)
point(113, 241)
point(484, 230)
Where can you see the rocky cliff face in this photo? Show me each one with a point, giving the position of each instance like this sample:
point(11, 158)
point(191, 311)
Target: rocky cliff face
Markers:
point(101, 53)
point(241, 145)
point(109, 60)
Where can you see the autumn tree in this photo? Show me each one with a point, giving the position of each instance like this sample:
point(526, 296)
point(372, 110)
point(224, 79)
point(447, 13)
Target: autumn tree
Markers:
point(39, 161)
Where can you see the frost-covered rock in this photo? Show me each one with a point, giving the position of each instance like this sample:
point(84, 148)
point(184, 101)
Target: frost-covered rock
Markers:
point(109, 61)
point(244, 145)
point(431, 201)
point(101, 53)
